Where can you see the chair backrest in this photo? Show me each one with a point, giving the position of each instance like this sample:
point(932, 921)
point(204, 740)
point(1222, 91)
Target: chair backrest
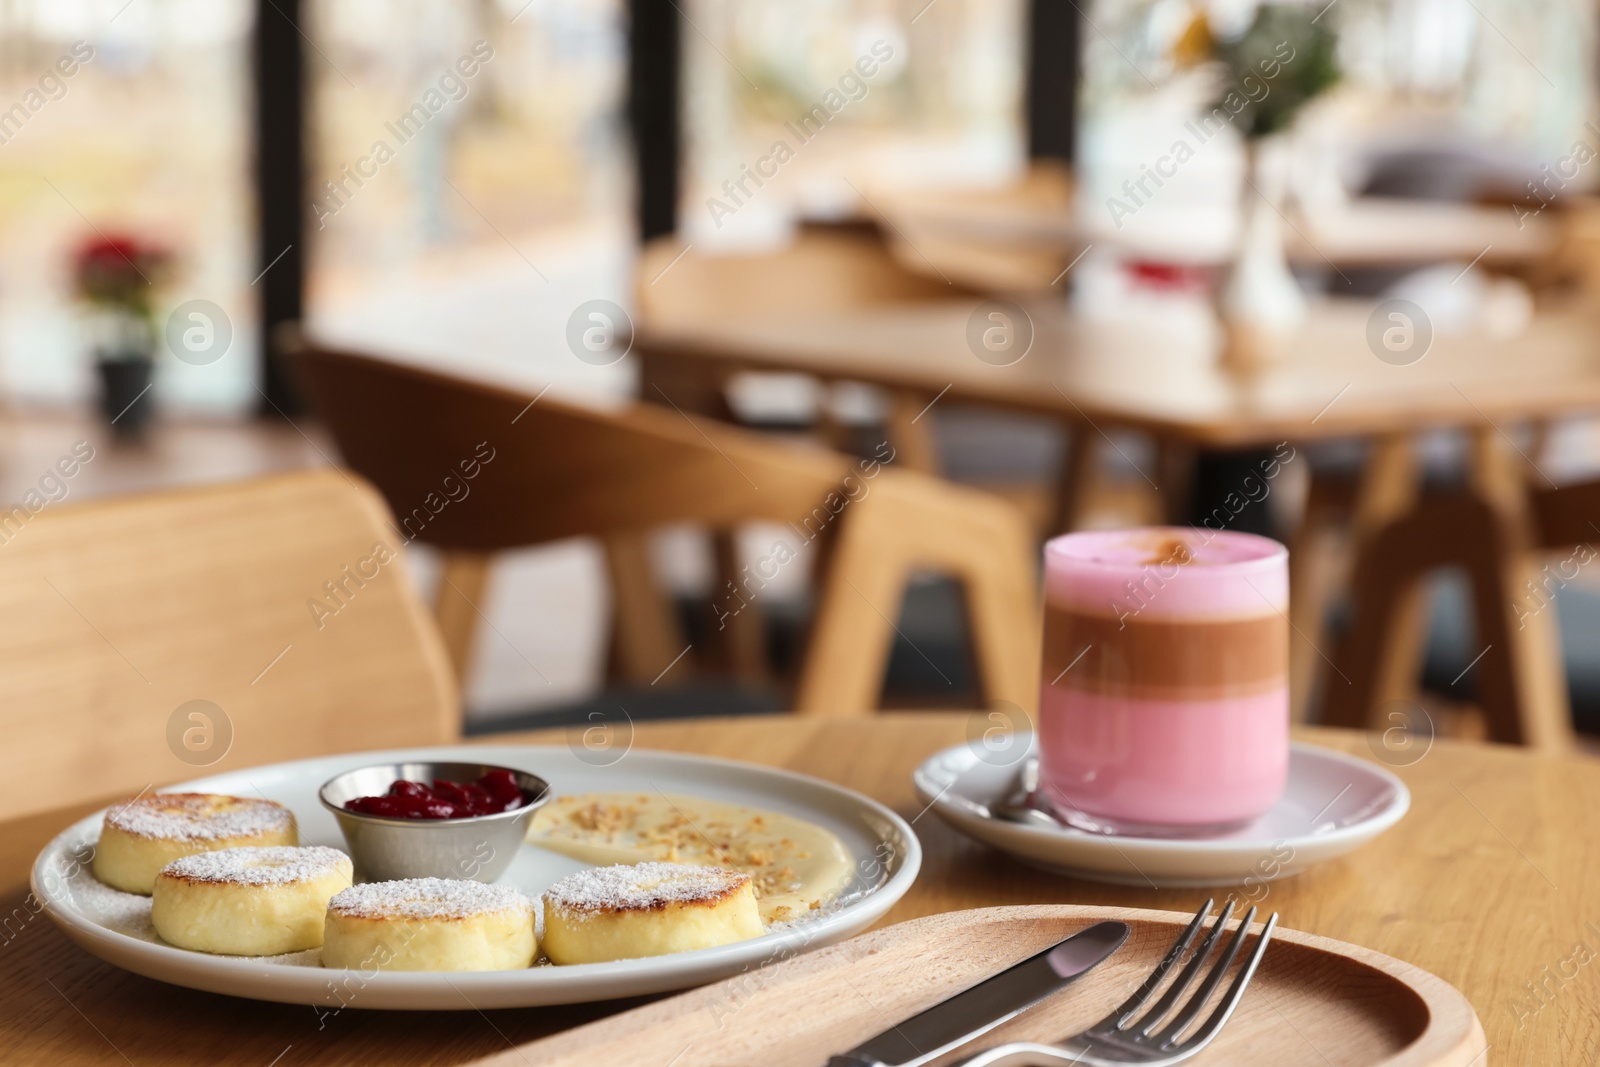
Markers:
point(279, 604)
point(469, 466)
point(473, 469)
point(825, 268)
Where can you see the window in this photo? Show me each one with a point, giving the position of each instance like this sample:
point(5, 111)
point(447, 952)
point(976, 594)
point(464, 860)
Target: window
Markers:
point(469, 177)
point(826, 100)
point(147, 136)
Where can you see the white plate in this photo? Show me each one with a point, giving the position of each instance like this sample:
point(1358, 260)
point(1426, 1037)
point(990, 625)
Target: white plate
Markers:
point(1334, 803)
point(116, 926)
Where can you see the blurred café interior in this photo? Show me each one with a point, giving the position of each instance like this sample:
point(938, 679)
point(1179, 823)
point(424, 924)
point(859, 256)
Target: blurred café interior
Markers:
point(736, 357)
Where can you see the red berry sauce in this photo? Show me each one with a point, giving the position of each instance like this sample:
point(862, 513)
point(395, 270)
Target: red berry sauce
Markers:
point(495, 792)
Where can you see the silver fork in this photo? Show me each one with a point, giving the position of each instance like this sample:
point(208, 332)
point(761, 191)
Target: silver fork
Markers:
point(1120, 1039)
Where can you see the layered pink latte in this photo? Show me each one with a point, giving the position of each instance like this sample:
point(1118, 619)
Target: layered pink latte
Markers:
point(1164, 702)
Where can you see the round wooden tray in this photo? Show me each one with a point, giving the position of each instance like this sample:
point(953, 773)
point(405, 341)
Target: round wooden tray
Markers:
point(1313, 1001)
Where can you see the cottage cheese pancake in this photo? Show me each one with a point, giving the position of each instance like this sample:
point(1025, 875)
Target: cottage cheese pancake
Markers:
point(139, 838)
point(248, 901)
point(429, 924)
point(795, 866)
point(647, 909)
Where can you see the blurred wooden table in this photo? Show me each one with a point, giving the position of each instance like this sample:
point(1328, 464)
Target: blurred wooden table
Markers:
point(1158, 373)
point(1155, 370)
point(1488, 883)
point(945, 225)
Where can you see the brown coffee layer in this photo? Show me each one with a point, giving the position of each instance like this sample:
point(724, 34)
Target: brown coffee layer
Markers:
point(1165, 659)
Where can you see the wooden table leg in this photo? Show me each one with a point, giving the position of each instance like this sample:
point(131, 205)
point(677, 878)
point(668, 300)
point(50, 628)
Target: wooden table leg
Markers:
point(1175, 463)
point(463, 579)
point(1316, 567)
point(911, 431)
point(1520, 679)
point(1073, 483)
point(645, 635)
point(1380, 658)
point(741, 635)
point(1390, 487)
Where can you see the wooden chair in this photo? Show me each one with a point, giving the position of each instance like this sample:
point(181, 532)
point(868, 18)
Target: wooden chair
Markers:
point(1518, 676)
point(559, 471)
point(826, 269)
point(116, 614)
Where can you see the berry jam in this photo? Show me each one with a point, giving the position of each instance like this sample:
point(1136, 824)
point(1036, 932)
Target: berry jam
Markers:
point(495, 792)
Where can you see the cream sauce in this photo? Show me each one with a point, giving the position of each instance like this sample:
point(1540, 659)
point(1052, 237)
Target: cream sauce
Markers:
point(797, 866)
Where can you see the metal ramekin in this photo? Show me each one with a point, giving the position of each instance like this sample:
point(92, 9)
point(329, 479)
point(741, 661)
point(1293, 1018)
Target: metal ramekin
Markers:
point(480, 847)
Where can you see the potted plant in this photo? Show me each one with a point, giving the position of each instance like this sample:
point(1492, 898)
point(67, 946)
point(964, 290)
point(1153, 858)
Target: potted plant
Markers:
point(117, 277)
point(1283, 60)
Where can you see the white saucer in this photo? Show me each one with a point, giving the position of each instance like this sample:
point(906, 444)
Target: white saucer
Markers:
point(1333, 804)
point(116, 926)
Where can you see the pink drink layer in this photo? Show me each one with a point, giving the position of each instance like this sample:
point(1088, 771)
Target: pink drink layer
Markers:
point(1163, 763)
point(1175, 719)
point(1113, 571)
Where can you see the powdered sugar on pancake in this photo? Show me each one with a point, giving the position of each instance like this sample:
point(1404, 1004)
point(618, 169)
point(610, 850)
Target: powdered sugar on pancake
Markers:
point(199, 817)
point(427, 898)
point(642, 886)
point(280, 865)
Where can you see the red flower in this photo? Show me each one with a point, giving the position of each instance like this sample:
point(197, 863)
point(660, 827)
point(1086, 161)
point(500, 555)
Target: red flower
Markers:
point(119, 271)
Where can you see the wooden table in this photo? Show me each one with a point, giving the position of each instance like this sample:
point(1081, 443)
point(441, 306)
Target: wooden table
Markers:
point(1366, 231)
point(1155, 371)
point(1488, 883)
point(1158, 373)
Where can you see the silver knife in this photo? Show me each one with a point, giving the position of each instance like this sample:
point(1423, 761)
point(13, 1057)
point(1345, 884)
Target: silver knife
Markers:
point(953, 1022)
